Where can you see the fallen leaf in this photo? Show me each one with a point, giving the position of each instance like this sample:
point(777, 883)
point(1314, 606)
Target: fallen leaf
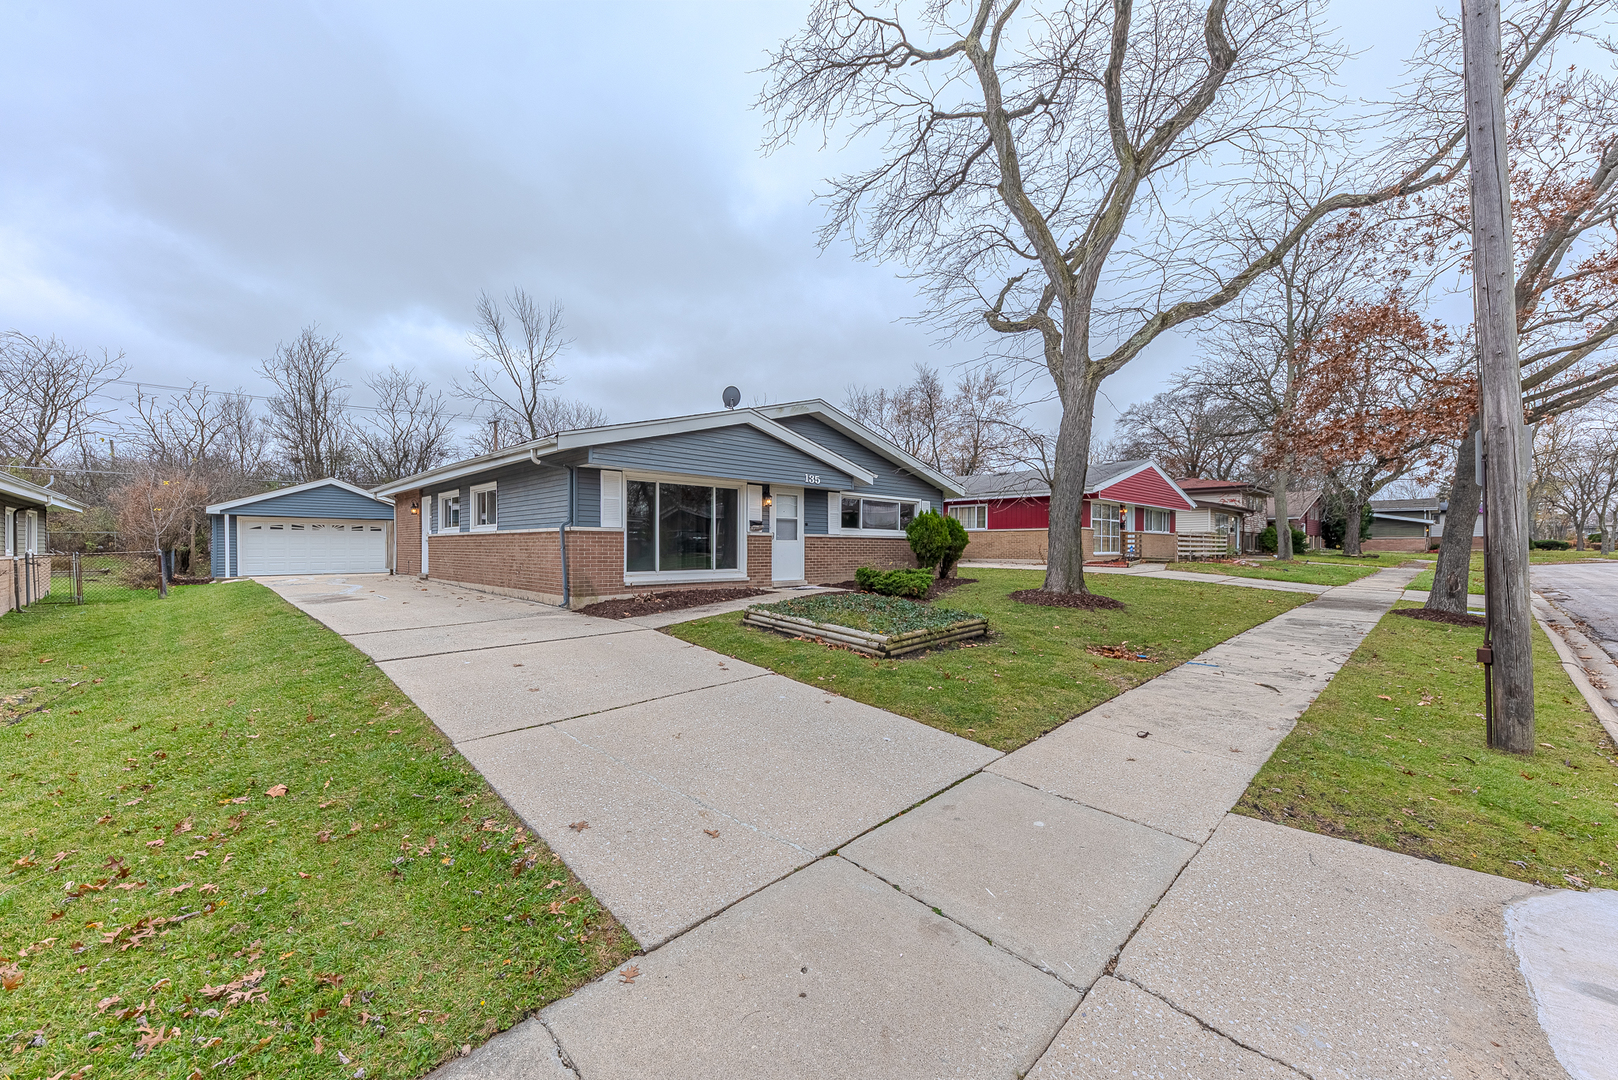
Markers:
point(711, 832)
point(105, 1003)
point(579, 826)
point(1384, 697)
point(277, 791)
point(319, 1048)
point(154, 843)
point(629, 974)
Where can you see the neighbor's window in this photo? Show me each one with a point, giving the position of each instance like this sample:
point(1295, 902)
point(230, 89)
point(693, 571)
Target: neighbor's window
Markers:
point(1156, 520)
point(971, 517)
point(675, 527)
point(484, 506)
point(11, 517)
point(886, 515)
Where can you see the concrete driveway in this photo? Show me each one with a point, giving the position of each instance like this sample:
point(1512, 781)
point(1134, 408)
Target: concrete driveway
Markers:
point(701, 779)
point(1588, 591)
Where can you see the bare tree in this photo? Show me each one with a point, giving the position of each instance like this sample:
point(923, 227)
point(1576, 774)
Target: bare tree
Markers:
point(517, 343)
point(553, 413)
point(975, 428)
point(308, 416)
point(159, 507)
point(1039, 158)
point(409, 431)
point(50, 389)
point(1186, 432)
point(1583, 477)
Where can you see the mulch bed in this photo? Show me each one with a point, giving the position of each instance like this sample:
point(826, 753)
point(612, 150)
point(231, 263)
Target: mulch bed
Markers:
point(938, 588)
point(655, 603)
point(1454, 618)
point(1087, 601)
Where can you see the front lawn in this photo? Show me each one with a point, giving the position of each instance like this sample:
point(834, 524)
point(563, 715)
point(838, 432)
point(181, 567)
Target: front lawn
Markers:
point(1033, 672)
point(232, 847)
point(1474, 584)
point(1392, 754)
point(1309, 573)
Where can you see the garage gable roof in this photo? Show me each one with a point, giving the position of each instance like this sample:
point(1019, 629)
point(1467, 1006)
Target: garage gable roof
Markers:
point(341, 500)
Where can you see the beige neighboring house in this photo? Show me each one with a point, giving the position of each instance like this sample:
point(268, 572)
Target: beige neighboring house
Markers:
point(27, 529)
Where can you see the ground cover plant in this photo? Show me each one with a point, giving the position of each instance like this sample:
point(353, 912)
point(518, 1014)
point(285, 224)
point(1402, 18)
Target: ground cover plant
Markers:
point(869, 612)
point(1033, 672)
point(1392, 754)
point(1310, 573)
point(230, 847)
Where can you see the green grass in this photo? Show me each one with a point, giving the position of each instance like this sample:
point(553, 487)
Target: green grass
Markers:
point(1424, 580)
point(1369, 762)
point(865, 611)
point(1033, 671)
point(1310, 573)
point(391, 902)
point(1373, 559)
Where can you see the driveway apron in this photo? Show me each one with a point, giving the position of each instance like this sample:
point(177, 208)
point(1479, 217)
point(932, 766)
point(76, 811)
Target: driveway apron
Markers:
point(821, 894)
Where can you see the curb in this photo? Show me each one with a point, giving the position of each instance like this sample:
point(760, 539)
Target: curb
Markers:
point(1569, 642)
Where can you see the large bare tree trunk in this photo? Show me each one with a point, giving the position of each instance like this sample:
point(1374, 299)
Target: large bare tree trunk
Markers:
point(1505, 480)
point(1454, 567)
point(1352, 510)
point(1283, 524)
point(1064, 569)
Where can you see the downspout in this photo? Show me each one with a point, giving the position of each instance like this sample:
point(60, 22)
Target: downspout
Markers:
point(572, 498)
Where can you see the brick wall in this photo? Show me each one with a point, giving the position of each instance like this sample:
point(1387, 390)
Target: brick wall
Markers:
point(1159, 547)
point(829, 559)
point(406, 534)
point(1396, 543)
point(760, 551)
point(1021, 545)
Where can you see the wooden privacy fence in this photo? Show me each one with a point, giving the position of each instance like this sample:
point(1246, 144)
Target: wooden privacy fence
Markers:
point(1206, 545)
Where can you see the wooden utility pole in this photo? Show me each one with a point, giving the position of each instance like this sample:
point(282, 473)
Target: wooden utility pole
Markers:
point(1511, 665)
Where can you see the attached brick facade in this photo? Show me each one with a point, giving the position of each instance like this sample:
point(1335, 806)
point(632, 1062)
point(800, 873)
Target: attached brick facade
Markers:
point(830, 559)
point(760, 552)
point(1016, 545)
point(407, 533)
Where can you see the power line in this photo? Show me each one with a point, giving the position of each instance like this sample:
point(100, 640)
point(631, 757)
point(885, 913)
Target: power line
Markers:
point(141, 384)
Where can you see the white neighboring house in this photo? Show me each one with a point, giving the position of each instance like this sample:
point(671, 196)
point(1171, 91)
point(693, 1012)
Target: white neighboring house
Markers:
point(27, 508)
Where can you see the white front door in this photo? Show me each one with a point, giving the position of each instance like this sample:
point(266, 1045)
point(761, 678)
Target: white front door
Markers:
point(786, 556)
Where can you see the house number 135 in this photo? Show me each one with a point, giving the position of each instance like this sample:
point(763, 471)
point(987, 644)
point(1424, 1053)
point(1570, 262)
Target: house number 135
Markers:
point(811, 478)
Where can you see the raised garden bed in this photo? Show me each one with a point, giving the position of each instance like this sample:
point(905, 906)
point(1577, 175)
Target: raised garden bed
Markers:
point(883, 626)
point(656, 603)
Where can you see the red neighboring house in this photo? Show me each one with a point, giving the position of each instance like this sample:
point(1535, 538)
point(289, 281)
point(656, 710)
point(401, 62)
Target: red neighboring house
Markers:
point(1304, 510)
point(1130, 511)
point(1232, 508)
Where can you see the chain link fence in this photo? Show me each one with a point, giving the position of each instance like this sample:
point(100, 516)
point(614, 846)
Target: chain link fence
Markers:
point(88, 577)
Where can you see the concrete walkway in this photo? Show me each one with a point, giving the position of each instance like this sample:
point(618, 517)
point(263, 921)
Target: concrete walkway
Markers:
point(1084, 906)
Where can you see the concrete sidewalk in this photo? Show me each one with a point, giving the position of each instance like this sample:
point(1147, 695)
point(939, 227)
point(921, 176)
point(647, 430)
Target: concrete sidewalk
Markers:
point(887, 900)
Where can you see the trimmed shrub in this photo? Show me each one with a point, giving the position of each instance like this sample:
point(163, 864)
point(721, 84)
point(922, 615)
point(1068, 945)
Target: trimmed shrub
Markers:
point(913, 583)
point(1267, 541)
point(929, 539)
point(957, 544)
point(1551, 545)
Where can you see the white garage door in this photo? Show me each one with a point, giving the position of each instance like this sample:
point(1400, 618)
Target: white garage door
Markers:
point(312, 546)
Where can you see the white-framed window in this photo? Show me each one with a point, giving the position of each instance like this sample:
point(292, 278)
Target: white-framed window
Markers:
point(485, 507)
point(11, 533)
point(971, 517)
point(682, 530)
point(612, 499)
point(33, 532)
point(757, 514)
point(449, 512)
point(1157, 521)
point(874, 514)
point(1104, 527)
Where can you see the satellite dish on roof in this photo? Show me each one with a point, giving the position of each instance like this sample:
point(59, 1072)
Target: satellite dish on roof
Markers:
point(733, 397)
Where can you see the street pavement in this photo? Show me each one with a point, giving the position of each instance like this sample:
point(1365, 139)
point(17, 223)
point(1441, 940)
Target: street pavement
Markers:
point(1586, 590)
point(884, 899)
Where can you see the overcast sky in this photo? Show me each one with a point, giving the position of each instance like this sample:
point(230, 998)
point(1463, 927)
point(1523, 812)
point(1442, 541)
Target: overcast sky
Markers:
point(191, 184)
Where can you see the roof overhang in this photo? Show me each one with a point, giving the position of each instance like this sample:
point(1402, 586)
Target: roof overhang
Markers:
point(53, 500)
point(330, 481)
point(1190, 503)
point(867, 438)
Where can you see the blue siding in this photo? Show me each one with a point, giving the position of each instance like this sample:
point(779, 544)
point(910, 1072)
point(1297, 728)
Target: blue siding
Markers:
point(738, 452)
point(587, 514)
point(814, 512)
point(531, 496)
point(216, 546)
point(891, 479)
point(330, 501)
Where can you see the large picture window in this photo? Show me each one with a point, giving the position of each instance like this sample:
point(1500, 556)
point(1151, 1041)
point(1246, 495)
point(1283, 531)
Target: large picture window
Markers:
point(1156, 521)
point(1104, 527)
point(675, 528)
point(875, 515)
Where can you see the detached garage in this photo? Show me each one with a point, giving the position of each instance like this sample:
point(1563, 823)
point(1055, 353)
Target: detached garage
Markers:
point(323, 527)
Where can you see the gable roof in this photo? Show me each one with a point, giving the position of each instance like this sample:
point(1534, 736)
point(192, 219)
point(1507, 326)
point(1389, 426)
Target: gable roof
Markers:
point(23, 489)
point(1299, 502)
point(1031, 484)
point(760, 417)
point(330, 481)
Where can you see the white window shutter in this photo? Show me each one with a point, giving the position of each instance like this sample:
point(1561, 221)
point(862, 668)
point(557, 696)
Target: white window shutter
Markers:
point(612, 500)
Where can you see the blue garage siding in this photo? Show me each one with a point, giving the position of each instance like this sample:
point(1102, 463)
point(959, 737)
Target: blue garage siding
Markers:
point(330, 501)
point(738, 452)
point(890, 479)
point(216, 546)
